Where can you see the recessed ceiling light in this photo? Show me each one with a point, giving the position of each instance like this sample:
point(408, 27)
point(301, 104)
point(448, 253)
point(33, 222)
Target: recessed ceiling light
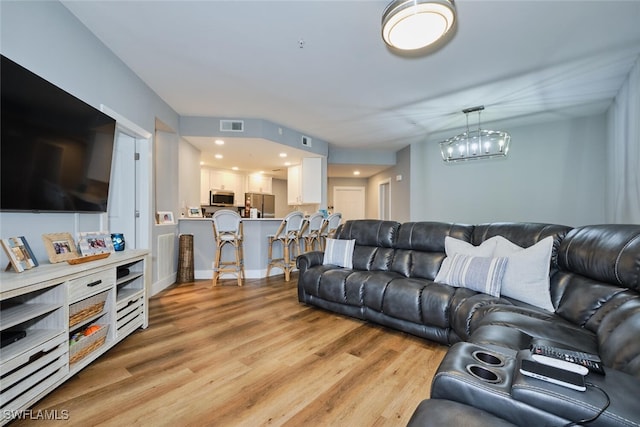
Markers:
point(219, 142)
point(287, 163)
point(283, 154)
point(218, 156)
point(201, 163)
point(235, 168)
point(356, 172)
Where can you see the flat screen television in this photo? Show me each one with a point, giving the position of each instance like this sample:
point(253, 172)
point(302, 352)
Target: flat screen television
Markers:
point(55, 149)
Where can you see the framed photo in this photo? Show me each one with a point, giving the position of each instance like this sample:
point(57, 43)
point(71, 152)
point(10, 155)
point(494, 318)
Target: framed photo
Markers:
point(165, 217)
point(60, 247)
point(95, 242)
point(194, 212)
point(19, 253)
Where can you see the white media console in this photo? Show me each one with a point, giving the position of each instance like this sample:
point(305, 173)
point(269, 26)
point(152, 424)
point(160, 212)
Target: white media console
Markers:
point(55, 305)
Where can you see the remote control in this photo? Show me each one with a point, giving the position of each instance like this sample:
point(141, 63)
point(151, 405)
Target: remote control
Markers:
point(590, 361)
point(562, 364)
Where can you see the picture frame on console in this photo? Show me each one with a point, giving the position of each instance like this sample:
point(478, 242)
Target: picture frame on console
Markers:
point(194, 212)
point(165, 217)
point(60, 247)
point(19, 252)
point(94, 243)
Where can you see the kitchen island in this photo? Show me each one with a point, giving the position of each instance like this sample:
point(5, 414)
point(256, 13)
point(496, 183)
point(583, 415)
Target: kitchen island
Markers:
point(255, 246)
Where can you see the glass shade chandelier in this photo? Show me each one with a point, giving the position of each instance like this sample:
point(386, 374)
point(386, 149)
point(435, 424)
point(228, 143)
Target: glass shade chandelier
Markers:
point(414, 24)
point(475, 144)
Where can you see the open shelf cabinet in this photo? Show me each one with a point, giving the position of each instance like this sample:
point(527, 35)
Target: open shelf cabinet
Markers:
point(52, 308)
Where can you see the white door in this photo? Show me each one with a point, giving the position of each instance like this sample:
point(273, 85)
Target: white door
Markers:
point(384, 196)
point(349, 201)
point(122, 191)
point(130, 210)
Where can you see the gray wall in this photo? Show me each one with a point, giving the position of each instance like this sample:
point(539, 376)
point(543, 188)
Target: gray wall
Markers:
point(189, 175)
point(279, 187)
point(400, 191)
point(44, 37)
point(555, 173)
point(166, 172)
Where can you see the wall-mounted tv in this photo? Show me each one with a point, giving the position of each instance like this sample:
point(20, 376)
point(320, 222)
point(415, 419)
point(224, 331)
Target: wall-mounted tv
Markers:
point(55, 150)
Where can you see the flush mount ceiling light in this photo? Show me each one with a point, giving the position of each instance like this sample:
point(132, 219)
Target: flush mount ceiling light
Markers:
point(475, 144)
point(415, 24)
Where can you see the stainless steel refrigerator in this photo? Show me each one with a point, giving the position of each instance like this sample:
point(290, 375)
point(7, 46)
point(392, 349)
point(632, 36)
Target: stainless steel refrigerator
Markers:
point(264, 203)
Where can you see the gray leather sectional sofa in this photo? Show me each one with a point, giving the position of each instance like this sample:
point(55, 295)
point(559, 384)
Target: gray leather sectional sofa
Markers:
point(594, 285)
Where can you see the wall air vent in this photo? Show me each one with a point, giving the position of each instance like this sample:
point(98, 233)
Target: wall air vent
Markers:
point(306, 141)
point(231, 126)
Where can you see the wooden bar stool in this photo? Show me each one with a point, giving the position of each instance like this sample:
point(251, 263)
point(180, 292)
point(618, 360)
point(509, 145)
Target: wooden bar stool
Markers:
point(311, 232)
point(288, 235)
point(227, 229)
point(329, 227)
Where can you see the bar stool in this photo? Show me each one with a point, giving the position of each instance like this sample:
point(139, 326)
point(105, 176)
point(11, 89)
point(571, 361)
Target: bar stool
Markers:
point(227, 229)
point(329, 227)
point(288, 235)
point(311, 232)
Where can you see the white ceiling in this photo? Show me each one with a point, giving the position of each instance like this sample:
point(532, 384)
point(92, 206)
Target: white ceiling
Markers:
point(249, 155)
point(320, 67)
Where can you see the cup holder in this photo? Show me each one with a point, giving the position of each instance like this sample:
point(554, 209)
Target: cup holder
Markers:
point(484, 374)
point(487, 358)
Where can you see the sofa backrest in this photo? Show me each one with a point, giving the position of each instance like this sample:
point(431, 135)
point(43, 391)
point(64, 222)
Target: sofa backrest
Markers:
point(598, 283)
point(420, 247)
point(375, 242)
point(523, 234)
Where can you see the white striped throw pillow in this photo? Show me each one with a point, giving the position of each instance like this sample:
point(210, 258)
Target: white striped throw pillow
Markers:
point(480, 274)
point(339, 252)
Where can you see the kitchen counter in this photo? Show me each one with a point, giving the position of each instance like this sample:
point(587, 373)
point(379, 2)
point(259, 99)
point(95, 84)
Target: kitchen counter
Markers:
point(244, 220)
point(255, 246)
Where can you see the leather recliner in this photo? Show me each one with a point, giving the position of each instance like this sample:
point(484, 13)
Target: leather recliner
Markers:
point(594, 285)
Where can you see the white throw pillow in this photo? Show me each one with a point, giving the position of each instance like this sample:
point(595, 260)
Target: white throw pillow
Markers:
point(339, 252)
point(454, 246)
point(527, 276)
point(481, 274)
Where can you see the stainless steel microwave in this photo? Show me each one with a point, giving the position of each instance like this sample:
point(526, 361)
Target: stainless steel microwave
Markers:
point(221, 198)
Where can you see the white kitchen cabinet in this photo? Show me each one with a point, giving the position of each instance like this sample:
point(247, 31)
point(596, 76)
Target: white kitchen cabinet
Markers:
point(304, 185)
point(293, 184)
point(214, 179)
point(205, 186)
point(258, 183)
point(236, 183)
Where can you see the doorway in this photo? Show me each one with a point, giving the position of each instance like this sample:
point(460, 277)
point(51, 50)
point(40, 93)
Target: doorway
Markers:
point(123, 209)
point(384, 198)
point(350, 202)
point(129, 207)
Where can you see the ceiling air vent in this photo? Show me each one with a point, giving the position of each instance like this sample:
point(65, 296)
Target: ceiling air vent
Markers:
point(231, 126)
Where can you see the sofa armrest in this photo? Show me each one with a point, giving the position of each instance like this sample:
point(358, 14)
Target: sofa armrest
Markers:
point(465, 307)
point(308, 260)
point(617, 388)
point(506, 307)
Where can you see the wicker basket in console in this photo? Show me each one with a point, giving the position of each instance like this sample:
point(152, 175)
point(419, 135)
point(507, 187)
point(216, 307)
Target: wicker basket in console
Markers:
point(88, 344)
point(86, 308)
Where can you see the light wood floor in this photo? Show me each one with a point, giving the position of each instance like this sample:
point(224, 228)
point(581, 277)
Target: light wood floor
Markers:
point(250, 356)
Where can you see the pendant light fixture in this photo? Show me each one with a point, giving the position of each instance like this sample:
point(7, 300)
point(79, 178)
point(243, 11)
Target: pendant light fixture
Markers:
point(409, 25)
point(475, 144)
